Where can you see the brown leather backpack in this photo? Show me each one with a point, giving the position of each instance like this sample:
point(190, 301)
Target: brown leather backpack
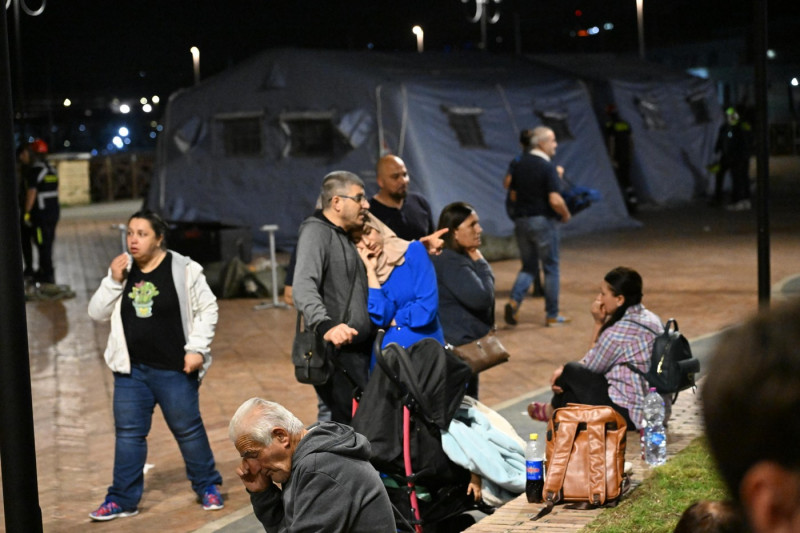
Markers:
point(585, 458)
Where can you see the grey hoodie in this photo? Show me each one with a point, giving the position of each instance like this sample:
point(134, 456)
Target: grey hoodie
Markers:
point(332, 487)
point(327, 261)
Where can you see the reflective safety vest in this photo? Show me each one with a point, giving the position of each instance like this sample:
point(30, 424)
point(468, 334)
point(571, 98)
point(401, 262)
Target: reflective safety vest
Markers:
point(46, 184)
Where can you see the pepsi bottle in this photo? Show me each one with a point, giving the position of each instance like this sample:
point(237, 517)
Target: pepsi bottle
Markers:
point(534, 469)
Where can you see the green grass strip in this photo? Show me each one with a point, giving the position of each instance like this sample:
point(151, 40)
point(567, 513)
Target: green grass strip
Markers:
point(657, 504)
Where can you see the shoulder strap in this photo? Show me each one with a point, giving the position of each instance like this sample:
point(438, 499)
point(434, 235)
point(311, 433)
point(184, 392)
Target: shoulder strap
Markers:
point(627, 363)
point(346, 308)
point(597, 462)
point(557, 464)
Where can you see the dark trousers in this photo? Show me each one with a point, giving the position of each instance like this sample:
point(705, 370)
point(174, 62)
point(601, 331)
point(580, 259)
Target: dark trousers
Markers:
point(581, 385)
point(26, 233)
point(45, 237)
point(349, 376)
point(740, 180)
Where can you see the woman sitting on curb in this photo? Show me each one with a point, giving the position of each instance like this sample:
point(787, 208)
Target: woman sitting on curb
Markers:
point(620, 336)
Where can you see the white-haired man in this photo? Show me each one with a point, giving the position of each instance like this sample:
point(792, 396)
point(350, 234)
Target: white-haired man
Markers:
point(327, 482)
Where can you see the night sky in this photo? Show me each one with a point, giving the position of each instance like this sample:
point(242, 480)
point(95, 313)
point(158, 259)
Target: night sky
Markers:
point(103, 53)
point(126, 47)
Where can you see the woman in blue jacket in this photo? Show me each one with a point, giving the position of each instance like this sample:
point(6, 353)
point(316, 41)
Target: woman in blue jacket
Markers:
point(403, 298)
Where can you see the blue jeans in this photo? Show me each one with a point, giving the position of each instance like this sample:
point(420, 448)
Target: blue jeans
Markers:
point(538, 236)
point(135, 396)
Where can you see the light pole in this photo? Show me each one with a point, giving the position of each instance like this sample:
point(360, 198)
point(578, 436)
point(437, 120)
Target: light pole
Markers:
point(640, 23)
point(196, 63)
point(416, 30)
point(482, 14)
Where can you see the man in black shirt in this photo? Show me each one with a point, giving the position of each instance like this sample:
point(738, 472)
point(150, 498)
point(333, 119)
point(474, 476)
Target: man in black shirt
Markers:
point(408, 214)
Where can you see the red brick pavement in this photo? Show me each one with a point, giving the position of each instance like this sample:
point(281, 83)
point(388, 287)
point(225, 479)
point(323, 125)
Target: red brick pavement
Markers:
point(698, 264)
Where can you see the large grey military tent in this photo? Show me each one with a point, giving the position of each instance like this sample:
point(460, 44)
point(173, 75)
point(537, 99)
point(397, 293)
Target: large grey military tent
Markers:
point(250, 146)
point(674, 118)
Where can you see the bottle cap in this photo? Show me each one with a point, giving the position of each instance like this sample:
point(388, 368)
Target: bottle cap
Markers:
point(533, 436)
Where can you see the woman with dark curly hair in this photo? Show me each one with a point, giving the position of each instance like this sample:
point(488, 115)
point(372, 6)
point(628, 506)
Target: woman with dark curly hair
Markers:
point(622, 334)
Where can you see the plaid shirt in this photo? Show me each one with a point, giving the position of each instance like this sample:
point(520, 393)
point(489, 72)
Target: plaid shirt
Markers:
point(626, 342)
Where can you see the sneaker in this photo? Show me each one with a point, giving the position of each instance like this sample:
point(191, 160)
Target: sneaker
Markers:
point(212, 499)
point(557, 320)
point(512, 310)
point(110, 511)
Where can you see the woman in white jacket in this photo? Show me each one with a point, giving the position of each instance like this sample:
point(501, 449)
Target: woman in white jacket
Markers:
point(163, 316)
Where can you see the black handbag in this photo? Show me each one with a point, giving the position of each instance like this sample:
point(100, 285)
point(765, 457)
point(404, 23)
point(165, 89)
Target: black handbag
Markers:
point(313, 356)
point(310, 356)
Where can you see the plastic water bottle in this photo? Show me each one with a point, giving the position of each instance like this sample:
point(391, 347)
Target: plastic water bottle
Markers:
point(534, 469)
point(655, 438)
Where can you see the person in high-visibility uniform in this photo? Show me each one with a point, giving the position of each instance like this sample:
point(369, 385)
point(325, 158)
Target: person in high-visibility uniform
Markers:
point(41, 205)
point(26, 227)
point(734, 146)
point(620, 149)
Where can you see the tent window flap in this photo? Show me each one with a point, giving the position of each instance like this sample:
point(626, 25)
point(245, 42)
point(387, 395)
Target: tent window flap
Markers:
point(465, 124)
point(309, 133)
point(651, 114)
point(241, 135)
point(558, 122)
point(699, 107)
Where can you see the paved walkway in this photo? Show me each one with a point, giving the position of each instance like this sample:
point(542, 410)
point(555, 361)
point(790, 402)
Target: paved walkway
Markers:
point(698, 264)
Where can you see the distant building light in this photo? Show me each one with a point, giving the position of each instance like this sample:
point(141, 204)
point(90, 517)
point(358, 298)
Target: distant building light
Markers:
point(700, 72)
point(66, 144)
point(94, 151)
point(82, 128)
point(583, 33)
point(608, 26)
point(123, 131)
point(153, 135)
point(67, 102)
point(127, 140)
point(159, 127)
point(794, 82)
point(572, 34)
point(147, 108)
point(771, 54)
point(142, 100)
point(153, 123)
point(370, 46)
point(594, 30)
point(117, 141)
point(124, 109)
point(578, 12)
point(155, 99)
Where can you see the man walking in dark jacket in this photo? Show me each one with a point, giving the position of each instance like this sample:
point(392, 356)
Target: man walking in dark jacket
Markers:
point(538, 208)
point(327, 481)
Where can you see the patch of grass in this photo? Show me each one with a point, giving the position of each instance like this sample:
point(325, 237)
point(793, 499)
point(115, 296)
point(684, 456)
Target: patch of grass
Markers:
point(657, 504)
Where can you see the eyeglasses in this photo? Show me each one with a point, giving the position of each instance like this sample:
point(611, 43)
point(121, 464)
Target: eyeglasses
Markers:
point(359, 198)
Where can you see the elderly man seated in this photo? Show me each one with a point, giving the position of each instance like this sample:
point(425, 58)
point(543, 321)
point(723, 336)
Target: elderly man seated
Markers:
point(327, 482)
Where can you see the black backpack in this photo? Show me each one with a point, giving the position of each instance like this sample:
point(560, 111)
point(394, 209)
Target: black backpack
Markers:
point(672, 366)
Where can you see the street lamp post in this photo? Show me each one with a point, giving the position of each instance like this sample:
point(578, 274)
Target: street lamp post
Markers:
point(416, 30)
point(196, 63)
point(640, 23)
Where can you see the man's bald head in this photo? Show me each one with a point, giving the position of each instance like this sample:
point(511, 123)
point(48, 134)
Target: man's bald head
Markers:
point(392, 178)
